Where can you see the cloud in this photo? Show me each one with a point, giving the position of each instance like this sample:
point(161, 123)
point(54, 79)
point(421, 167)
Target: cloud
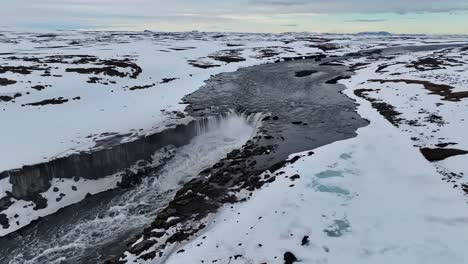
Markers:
point(367, 6)
point(183, 14)
point(366, 20)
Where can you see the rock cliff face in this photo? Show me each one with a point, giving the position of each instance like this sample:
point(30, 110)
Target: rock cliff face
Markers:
point(29, 181)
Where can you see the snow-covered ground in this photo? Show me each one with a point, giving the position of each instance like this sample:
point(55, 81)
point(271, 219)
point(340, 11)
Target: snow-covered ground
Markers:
point(127, 102)
point(112, 105)
point(370, 199)
point(215, 138)
point(87, 108)
point(430, 102)
point(130, 210)
point(62, 193)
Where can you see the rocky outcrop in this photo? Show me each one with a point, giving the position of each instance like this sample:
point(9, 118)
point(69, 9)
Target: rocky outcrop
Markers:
point(438, 154)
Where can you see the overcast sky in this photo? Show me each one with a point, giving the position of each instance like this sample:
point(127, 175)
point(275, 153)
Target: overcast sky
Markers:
point(400, 16)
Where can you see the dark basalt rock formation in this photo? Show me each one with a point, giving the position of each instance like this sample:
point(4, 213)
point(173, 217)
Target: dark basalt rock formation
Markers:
point(38, 87)
point(304, 73)
point(438, 154)
point(335, 80)
point(4, 222)
point(141, 87)
point(7, 98)
point(53, 101)
point(5, 82)
point(30, 181)
point(228, 56)
point(386, 110)
point(5, 202)
point(203, 65)
point(167, 80)
point(25, 70)
point(109, 68)
point(318, 57)
point(289, 258)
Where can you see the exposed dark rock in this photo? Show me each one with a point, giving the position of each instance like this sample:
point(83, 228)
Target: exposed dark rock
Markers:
point(281, 164)
point(228, 59)
point(228, 56)
point(443, 145)
point(318, 57)
point(335, 80)
point(94, 80)
point(167, 80)
point(438, 154)
point(442, 90)
point(27, 186)
point(110, 68)
point(464, 188)
point(203, 65)
point(182, 48)
point(4, 222)
point(294, 177)
point(25, 70)
point(141, 87)
point(325, 47)
point(358, 66)
point(435, 119)
point(7, 98)
point(304, 73)
point(53, 101)
point(264, 53)
point(142, 246)
point(428, 63)
point(289, 258)
point(110, 71)
point(39, 201)
point(234, 45)
point(129, 179)
point(47, 36)
point(381, 68)
point(38, 87)
point(5, 82)
point(365, 53)
point(386, 110)
point(334, 64)
point(5, 202)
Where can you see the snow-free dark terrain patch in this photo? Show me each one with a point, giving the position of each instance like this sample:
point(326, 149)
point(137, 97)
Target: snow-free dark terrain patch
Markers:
point(5, 82)
point(437, 154)
point(442, 90)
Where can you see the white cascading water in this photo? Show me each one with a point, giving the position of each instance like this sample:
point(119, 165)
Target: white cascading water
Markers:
point(216, 136)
